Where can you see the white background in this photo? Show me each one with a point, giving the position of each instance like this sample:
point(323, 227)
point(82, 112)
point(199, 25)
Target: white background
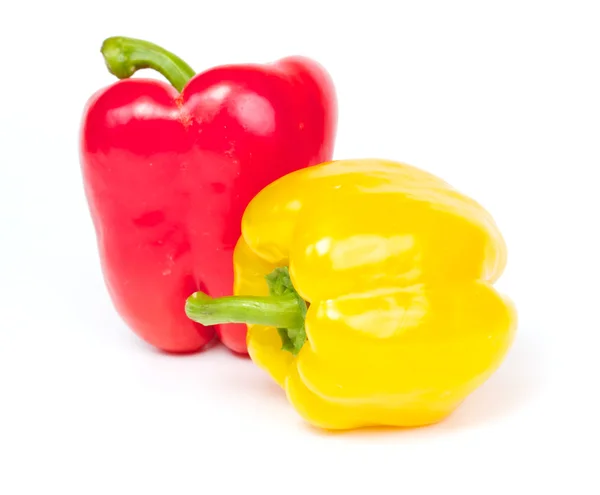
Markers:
point(502, 99)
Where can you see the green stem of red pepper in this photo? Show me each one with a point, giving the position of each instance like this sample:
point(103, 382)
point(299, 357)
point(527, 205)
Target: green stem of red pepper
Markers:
point(124, 56)
point(283, 309)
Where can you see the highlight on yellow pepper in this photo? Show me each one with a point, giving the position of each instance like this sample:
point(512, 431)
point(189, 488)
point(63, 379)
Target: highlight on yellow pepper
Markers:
point(367, 287)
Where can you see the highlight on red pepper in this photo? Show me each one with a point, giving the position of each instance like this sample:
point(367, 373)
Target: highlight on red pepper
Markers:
point(368, 290)
point(168, 170)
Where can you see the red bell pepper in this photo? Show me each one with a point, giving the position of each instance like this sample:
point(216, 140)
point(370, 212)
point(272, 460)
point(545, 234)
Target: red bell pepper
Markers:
point(168, 171)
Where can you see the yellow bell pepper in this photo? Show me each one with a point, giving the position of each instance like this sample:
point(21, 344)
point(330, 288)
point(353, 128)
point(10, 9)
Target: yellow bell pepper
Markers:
point(367, 289)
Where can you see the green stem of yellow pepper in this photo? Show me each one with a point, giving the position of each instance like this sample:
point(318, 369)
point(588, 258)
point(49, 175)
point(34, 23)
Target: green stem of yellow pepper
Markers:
point(283, 309)
point(272, 311)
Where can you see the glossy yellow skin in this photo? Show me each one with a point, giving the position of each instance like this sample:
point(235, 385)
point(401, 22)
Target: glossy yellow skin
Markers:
point(398, 267)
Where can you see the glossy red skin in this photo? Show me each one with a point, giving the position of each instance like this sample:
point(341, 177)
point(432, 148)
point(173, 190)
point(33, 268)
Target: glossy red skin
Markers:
point(168, 176)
